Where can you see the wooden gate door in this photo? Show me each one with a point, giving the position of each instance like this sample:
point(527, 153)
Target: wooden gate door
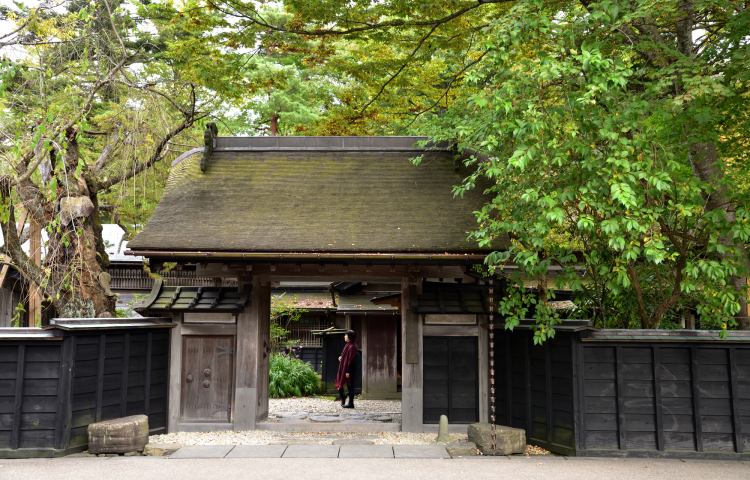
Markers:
point(451, 379)
point(207, 372)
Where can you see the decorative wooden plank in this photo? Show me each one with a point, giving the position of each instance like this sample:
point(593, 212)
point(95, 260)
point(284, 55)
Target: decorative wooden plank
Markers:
point(696, 399)
point(15, 433)
point(579, 399)
point(657, 399)
point(620, 399)
point(508, 380)
point(412, 338)
point(738, 446)
point(124, 379)
point(527, 371)
point(65, 384)
point(147, 387)
point(100, 377)
point(548, 378)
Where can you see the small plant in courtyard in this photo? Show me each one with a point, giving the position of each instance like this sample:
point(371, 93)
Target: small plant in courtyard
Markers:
point(291, 377)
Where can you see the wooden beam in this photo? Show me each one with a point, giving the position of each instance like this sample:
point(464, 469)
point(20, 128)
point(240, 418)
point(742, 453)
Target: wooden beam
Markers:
point(339, 271)
point(19, 230)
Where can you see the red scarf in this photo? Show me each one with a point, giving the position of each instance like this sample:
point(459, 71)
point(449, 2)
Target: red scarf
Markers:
point(347, 357)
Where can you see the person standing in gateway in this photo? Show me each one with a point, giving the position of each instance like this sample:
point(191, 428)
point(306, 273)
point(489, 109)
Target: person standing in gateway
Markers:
point(345, 374)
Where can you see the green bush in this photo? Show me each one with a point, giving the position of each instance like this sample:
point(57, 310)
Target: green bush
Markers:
point(290, 376)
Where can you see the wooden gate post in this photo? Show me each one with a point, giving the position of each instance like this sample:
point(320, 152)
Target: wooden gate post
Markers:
point(253, 358)
point(411, 383)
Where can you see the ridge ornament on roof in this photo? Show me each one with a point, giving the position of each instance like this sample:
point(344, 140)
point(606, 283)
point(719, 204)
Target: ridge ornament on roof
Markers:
point(209, 138)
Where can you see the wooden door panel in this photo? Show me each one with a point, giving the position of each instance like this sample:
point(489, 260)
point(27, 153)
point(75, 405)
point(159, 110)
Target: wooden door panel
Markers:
point(450, 379)
point(208, 362)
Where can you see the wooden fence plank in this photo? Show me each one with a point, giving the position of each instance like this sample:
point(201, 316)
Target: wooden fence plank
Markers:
point(65, 384)
point(508, 384)
point(738, 444)
point(548, 375)
point(657, 399)
point(15, 433)
point(100, 377)
point(527, 364)
point(124, 379)
point(696, 399)
point(147, 387)
point(620, 399)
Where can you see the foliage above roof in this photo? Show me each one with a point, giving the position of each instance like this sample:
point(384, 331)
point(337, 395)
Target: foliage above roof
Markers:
point(316, 194)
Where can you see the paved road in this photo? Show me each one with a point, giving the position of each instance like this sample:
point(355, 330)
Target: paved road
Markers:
point(518, 468)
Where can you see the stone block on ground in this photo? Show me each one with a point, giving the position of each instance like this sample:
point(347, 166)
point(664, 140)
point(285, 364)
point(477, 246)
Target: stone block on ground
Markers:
point(366, 451)
point(121, 435)
point(81, 455)
point(509, 440)
point(257, 451)
point(420, 451)
point(443, 435)
point(353, 441)
point(462, 449)
point(161, 449)
point(312, 451)
point(203, 451)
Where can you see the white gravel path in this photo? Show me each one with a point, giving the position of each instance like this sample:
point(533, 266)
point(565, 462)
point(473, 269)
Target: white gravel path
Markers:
point(324, 405)
point(263, 437)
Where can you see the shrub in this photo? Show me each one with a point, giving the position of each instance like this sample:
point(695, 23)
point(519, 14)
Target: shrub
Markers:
point(290, 376)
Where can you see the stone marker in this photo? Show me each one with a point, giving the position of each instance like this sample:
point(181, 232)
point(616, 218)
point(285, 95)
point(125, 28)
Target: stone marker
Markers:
point(121, 435)
point(443, 435)
point(509, 440)
point(462, 449)
point(161, 449)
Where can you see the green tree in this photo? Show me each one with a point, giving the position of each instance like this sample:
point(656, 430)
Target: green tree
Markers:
point(84, 109)
point(613, 134)
point(616, 124)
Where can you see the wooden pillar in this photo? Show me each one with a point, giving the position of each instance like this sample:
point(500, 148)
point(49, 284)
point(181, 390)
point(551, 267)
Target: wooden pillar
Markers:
point(253, 358)
point(175, 375)
point(411, 372)
point(35, 253)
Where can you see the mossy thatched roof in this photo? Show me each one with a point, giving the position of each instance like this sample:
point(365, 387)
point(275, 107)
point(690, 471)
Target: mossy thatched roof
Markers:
point(298, 199)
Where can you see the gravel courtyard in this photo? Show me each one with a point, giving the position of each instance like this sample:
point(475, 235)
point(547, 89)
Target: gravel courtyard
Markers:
point(281, 408)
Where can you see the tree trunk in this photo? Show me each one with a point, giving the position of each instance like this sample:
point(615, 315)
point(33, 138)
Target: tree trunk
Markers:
point(274, 124)
point(70, 273)
point(704, 161)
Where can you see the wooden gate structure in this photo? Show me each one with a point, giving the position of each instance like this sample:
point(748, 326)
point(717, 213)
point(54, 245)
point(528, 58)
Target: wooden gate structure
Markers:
point(356, 209)
point(271, 209)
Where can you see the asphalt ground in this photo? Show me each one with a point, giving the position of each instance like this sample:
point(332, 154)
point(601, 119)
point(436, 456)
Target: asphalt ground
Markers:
point(286, 468)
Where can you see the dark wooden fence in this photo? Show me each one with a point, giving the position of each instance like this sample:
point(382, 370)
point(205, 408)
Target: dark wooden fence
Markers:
point(627, 393)
point(56, 381)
